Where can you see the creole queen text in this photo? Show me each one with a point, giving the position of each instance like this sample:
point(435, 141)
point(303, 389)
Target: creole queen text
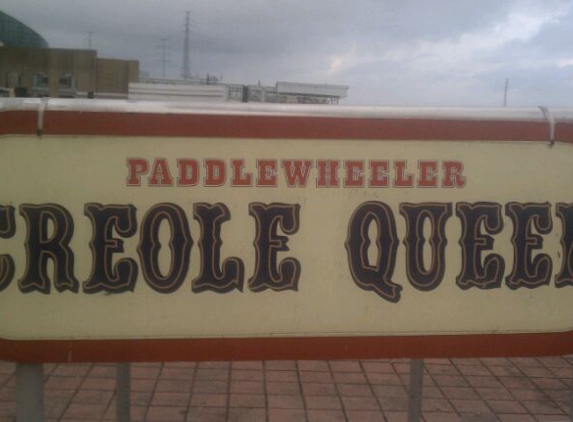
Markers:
point(50, 228)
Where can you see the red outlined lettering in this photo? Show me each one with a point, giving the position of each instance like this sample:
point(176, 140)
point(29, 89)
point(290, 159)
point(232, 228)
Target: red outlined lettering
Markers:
point(327, 173)
point(188, 172)
point(239, 178)
point(136, 167)
point(267, 173)
point(428, 174)
point(379, 174)
point(453, 174)
point(402, 179)
point(215, 174)
point(160, 175)
point(296, 172)
point(354, 174)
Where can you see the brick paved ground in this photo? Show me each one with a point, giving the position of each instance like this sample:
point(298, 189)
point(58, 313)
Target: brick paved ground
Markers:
point(499, 389)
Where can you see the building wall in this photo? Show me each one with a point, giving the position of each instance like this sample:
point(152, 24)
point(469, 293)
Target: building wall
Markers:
point(90, 74)
point(177, 92)
point(22, 65)
point(304, 94)
point(113, 77)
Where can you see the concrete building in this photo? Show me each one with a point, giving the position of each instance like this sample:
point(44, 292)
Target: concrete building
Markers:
point(65, 73)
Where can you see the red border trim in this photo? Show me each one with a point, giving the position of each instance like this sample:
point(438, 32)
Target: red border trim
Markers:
point(281, 348)
point(278, 127)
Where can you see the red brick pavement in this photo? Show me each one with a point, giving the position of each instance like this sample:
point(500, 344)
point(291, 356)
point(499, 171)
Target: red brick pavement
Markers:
point(473, 390)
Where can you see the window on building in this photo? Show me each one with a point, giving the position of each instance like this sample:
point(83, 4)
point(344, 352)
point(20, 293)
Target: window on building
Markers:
point(40, 80)
point(66, 81)
point(12, 79)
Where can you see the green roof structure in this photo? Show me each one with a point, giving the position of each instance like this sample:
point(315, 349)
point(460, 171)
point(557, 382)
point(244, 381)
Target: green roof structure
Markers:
point(14, 33)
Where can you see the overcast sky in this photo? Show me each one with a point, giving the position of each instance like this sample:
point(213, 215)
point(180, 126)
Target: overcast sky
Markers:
point(389, 52)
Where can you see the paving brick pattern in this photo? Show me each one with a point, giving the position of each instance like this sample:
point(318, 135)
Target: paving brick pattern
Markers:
point(473, 390)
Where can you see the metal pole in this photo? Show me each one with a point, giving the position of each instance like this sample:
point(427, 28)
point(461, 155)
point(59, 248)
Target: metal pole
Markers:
point(571, 399)
point(416, 384)
point(30, 392)
point(505, 92)
point(123, 389)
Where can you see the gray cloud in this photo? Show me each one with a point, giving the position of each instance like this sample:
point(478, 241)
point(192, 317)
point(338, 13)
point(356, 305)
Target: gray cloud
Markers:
point(410, 52)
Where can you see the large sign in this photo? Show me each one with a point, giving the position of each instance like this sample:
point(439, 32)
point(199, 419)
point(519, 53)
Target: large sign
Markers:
point(207, 234)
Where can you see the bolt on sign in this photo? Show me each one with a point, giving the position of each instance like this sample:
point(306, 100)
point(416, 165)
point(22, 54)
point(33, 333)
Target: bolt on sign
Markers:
point(138, 231)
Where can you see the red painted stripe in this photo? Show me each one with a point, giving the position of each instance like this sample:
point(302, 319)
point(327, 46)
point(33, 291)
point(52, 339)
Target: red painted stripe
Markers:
point(543, 344)
point(18, 122)
point(288, 127)
point(276, 127)
point(563, 132)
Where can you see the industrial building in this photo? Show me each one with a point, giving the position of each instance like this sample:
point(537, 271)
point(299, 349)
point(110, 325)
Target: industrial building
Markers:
point(216, 91)
point(156, 89)
point(288, 93)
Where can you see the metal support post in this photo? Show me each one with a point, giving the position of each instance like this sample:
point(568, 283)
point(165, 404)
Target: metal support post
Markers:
point(123, 388)
point(415, 393)
point(571, 399)
point(30, 392)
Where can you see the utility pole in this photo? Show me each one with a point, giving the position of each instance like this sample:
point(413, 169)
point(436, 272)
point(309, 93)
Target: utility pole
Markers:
point(164, 55)
point(186, 69)
point(505, 92)
point(90, 40)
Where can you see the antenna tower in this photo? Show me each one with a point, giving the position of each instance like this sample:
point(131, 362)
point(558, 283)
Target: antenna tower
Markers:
point(186, 70)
